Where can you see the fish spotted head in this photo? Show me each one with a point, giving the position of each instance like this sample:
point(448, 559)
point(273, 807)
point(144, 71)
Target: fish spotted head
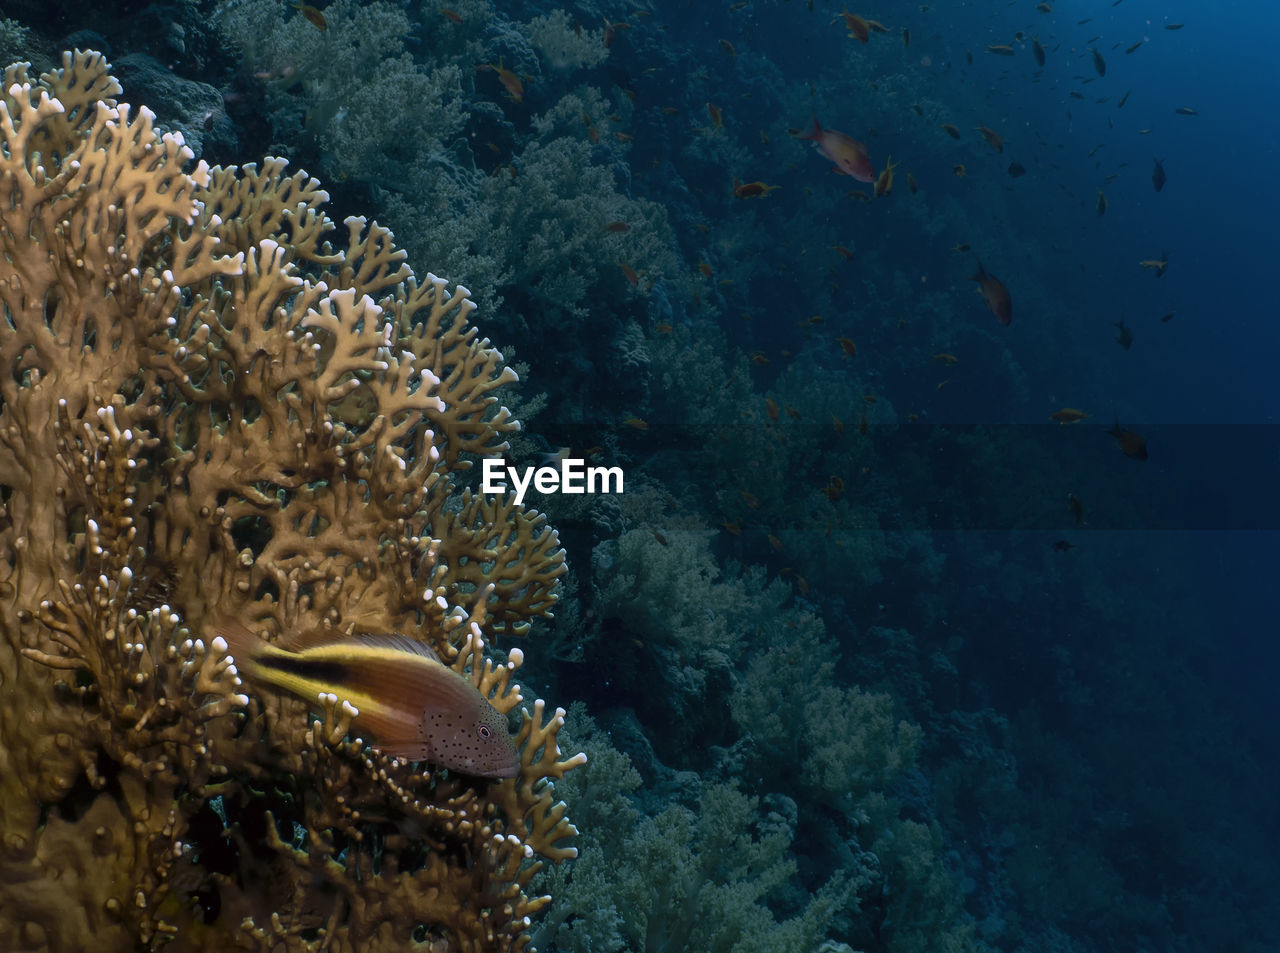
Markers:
point(472, 740)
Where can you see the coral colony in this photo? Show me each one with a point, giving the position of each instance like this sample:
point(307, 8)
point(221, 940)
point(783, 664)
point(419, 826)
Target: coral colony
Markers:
point(222, 415)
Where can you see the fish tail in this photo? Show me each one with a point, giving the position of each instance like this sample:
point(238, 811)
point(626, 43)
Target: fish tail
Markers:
point(816, 133)
point(243, 644)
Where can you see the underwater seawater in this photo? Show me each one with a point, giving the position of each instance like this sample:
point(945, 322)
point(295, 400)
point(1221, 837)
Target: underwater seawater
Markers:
point(925, 355)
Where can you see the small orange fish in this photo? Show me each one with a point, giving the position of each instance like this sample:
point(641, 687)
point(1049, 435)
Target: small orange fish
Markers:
point(858, 28)
point(951, 130)
point(510, 81)
point(995, 294)
point(992, 137)
point(834, 487)
point(945, 358)
point(848, 154)
point(314, 16)
point(1158, 265)
point(1001, 49)
point(663, 328)
point(837, 424)
point(734, 528)
point(774, 542)
point(758, 357)
point(453, 16)
point(1068, 415)
point(750, 500)
point(771, 408)
point(705, 270)
point(884, 181)
point(617, 227)
point(1132, 445)
point(847, 346)
point(842, 252)
point(629, 273)
point(752, 190)
point(728, 48)
point(911, 183)
point(636, 423)
point(717, 119)
point(958, 170)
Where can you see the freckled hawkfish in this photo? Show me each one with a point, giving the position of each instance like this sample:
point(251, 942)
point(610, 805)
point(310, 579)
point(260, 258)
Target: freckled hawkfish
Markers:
point(412, 704)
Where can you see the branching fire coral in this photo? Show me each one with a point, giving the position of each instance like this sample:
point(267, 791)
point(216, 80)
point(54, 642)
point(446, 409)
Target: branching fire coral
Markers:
point(212, 410)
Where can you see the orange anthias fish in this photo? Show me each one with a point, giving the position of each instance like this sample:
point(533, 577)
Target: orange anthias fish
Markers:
point(413, 705)
point(992, 137)
point(995, 294)
point(884, 182)
point(510, 81)
point(1158, 265)
point(1068, 415)
point(752, 190)
point(1131, 444)
point(849, 155)
point(314, 16)
point(859, 29)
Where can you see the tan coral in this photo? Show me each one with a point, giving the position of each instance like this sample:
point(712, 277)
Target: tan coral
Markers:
point(213, 405)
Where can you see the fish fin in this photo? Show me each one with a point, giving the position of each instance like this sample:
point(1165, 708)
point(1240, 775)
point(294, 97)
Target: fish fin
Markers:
point(981, 275)
point(242, 642)
point(395, 640)
point(409, 750)
point(322, 637)
point(311, 639)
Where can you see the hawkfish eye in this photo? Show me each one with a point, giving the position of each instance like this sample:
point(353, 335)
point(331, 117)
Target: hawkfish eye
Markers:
point(485, 732)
